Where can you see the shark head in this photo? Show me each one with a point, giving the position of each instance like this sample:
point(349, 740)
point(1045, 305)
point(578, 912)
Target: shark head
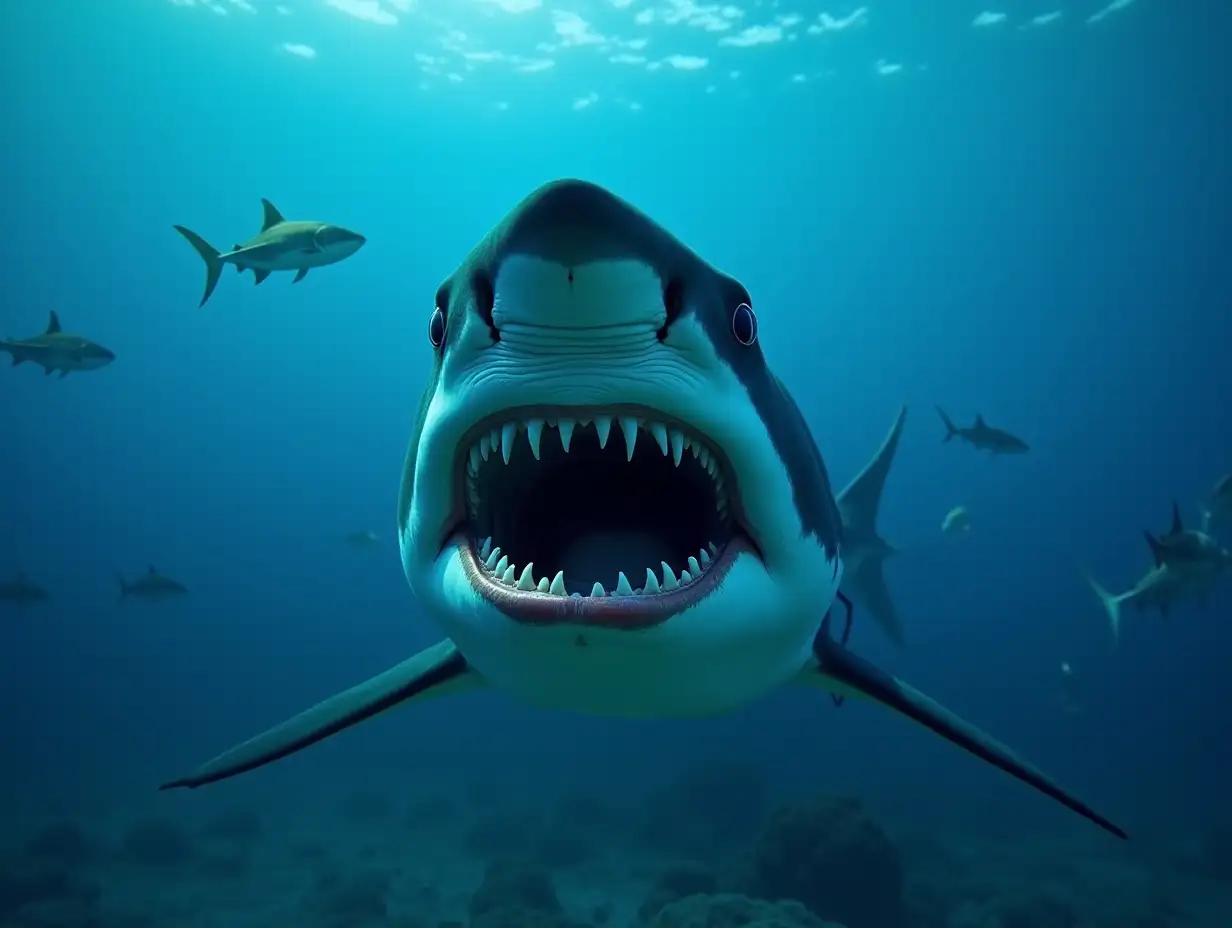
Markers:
point(84, 355)
point(609, 501)
point(336, 243)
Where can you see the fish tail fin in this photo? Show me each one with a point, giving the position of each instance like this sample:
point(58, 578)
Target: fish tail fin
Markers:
point(1111, 604)
point(950, 428)
point(123, 587)
point(210, 255)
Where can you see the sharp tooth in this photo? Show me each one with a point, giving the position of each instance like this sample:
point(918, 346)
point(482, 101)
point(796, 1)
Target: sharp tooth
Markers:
point(676, 440)
point(695, 569)
point(622, 585)
point(501, 565)
point(714, 549)
point(542, 585)
point(485, 549)
point(652, 582)
point(494, 439)
point(694, 447)
point(669, 578)
point(659, 432)
point(475, 459)
point(508, 433)
point(485, 446)
point(534, 430)
point(508, 576)
point(710, 465)
point(629, 427)
point(704, 456)
point(527, 580)
point(575, 595)
point(603, 425)
point(705, 558)
point(597, 589)
point(490, 563)
point(558, 584)
point(566, 432)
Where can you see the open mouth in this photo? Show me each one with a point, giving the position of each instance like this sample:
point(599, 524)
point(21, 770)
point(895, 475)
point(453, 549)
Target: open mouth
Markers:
point(621, 519)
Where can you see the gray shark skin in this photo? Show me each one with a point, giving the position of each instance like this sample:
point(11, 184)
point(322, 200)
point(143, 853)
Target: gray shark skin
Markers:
point(983, 437)
point(599, 399)
point(22, 592)
point(1160, 588)
point(281, 245)
point(150, 586)
point(1217, 511)
point(865, 551)
point(56, 350)
point(1187, 550)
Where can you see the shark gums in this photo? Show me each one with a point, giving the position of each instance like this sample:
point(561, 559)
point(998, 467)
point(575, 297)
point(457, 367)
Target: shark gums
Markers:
point(610, 504)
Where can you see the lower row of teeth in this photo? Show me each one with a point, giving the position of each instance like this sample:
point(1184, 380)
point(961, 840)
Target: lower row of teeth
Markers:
point(504, 571)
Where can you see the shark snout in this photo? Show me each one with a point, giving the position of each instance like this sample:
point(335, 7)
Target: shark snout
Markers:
point(576, 257)
point(338, 242)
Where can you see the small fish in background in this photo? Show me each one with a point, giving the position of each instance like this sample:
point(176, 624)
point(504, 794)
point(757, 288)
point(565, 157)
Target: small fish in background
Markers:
point(983, 437)
point(1071, 690)
point(1218, 507)
point(56, 350)
point(957, 521)
point(365, 539)
point(21, 591)
point(151, 586)
point(1186, 549)
point(281, 245)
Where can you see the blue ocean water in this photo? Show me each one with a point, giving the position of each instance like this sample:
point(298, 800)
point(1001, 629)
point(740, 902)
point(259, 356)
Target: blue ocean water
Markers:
point(995, 210)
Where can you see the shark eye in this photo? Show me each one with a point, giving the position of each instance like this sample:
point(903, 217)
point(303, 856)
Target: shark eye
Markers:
point(744, 324)
point(436, 328)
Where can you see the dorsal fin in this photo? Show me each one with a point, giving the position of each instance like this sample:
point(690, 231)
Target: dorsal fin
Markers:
point(979, 421)
point(53, 324)
point(1178, 526)
point(152, 570)
point(271, 216)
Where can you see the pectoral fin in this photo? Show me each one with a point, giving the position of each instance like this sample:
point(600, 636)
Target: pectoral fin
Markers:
point(846, 674)
point(436, 671)
point(300, 275)
point(259, 275)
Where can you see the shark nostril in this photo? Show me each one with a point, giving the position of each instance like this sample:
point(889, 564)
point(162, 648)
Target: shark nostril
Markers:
point(673, 303)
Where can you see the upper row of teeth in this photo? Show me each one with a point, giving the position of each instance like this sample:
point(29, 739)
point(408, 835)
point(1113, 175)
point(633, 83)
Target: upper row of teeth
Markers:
point(504, 570)
point(668, 439)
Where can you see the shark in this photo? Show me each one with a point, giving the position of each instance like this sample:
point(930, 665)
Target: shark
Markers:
point(57, 350)
point(983, 437)
point(1161, 587)
point(610, 504)
point(280, 245)
point(21, 591)
point(864, 550)
point(151, 586)
point(364, 539)
point(1187, 550)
